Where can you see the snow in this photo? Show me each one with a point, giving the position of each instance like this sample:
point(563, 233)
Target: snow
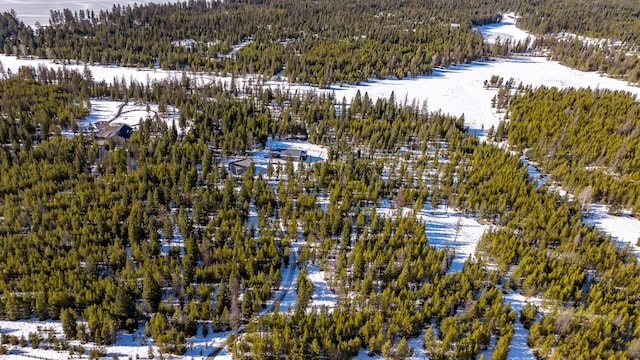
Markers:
point(32, 11)
point(315, 151)
point(506, 29)
point(262, 158)
point(534, 172)
point(98, 72)
point(518, 349)
point(108, 111)
point(176, 241)
point(624, 229)
point(188, 43)
point(127, 345)
point(101, 111)
point(448, 228)
point(445, 227)
point(455, 90)
point(285, 298)
point(131, 114)
point(589, 41)
point(322, 294)
point(416, 343)
point(459, 89)
point(235, 49)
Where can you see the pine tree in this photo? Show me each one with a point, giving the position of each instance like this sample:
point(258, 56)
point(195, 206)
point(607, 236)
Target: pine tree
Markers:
point(69, 324)
point(151, 292)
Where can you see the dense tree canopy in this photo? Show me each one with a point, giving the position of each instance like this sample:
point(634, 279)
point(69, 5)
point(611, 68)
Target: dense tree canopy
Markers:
point(107, 235)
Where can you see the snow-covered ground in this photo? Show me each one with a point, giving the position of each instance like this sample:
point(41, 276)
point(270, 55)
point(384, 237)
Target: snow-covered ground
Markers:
point(456, 90)
point(322, 294)
point(518, 349)
point(101, 111)
point(262, 158)
point(286, 295)
point(448, 228)
point(127, 345)
point(149, 76)
point(624, 229)
point(504, 30)
point(534, 172)
point(234, 51)
point(460, 89)
point(32, 11)
point(129, 114)
point(416, 343)
point(98, 72)
point(445, 227)
point(565, 36)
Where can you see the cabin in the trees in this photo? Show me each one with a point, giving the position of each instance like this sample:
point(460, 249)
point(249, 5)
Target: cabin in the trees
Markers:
point(293, 154)
point(124, 132)
point(118, 134)
point(239, 167)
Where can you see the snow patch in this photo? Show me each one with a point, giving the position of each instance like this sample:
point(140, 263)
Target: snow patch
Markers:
point(127, 345)
point(518, 349)
point(322, 293)
point(506, 29)
point(624, 229)
point(448, 228)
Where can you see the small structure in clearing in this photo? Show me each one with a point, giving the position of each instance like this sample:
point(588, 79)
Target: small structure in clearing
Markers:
point(239, 167)
point(293, 154)
point(124, 131)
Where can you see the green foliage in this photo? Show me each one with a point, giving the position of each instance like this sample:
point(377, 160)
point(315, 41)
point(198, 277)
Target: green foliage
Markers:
point(69, 323)
point(81, 216)
point(363, 42)
point(528, 315)
point(553, 124)
point(151, 292)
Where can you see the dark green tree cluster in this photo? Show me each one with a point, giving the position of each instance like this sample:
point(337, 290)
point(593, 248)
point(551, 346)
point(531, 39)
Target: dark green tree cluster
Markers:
point(365, 40)
point(543, 249)
point(608, 57)
point(37, 103)
point(559, 128)
point(392, 282)
point(615, 20)
point(105, 236)
point(87, 225)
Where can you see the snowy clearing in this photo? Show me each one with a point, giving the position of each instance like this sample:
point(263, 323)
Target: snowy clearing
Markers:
point(460, 89)
point(128, 114)
point(456, 90)
point(33, 11)
point(624, 229)
point(506, 29)
point(127, 345)
point(518, 349)
point(322, 294)
point(447, 228)
point(273, 149)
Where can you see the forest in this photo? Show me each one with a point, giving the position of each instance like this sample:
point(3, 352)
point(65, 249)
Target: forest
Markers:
point(109, 236)
point(558, 128)
point(94, 216)
point(370, 39)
